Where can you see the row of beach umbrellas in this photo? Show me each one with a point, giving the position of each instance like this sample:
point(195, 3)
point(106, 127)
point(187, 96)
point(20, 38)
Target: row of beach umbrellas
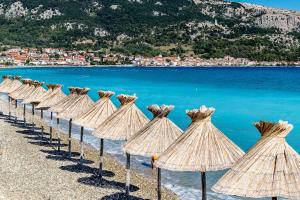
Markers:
point(271, 168)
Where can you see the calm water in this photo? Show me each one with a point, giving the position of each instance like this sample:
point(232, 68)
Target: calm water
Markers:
point(241, 96)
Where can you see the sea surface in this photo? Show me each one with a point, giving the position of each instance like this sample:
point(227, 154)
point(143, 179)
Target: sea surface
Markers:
point(241, 97)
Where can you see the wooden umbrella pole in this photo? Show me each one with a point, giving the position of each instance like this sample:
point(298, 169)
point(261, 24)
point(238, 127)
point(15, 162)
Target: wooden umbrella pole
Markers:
point(42, 128)
point(58, 138)
point(127, 186)
point(158, 183)
point(32, 112)
point(50, 139)
point(24, 114)
point(9, 113)
point(81, 145)
point(101, 158)
point(16, 106)
point(70, 136)
point(203, 184)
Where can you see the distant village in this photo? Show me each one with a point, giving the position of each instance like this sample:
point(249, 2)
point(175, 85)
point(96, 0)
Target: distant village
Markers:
point(61, 57)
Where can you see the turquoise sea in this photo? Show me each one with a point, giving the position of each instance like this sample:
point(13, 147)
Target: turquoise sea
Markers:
point(241, 97)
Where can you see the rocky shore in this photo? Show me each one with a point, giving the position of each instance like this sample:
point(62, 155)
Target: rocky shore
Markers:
point(31, 168)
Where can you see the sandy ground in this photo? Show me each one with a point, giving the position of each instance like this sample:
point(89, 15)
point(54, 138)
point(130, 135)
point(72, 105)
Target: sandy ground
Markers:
point(31, 168)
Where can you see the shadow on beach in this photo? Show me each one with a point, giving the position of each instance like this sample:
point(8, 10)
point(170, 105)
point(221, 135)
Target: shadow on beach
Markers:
point(63, 156)
point(86, 169)
point(103, 183)
point(120, 196)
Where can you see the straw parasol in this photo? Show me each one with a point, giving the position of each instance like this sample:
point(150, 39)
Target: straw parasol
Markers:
point(202, 148)
point(5, 82)
point(14, 95)
point(271, 168)
point(40, 99)
point(80, 105)
point(24, 94)
point(97, 114)
point(154, 138)
point(13, 85)
point(121, 125)
point(21, 89)
point(49, 100)
point(61, 105)
point(53, 98)
point(33, 98)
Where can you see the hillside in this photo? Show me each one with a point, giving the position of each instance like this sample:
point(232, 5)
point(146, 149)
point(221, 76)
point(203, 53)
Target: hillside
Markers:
point(208, 28)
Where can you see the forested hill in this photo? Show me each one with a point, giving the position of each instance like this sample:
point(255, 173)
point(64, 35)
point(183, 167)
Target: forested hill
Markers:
point(208, 28)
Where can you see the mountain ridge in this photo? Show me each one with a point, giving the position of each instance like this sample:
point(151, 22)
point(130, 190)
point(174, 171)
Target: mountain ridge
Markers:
point(207, 28)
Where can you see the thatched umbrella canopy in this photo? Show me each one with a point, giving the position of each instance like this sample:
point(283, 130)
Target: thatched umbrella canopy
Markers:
point(98, 113)
point(49, 100)
point(63, 103)
point(5, 82)
point(15, 84)
point(53, 98)
point(33, 98)
point(271, 168)
point(80, 105)
point(154, 138)
point(22, 95)
point(121, 125)
point(94, 116)
point(20, 90)
point(202, 148)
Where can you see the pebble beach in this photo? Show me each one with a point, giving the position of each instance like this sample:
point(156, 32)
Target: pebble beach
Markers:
point(32, 168)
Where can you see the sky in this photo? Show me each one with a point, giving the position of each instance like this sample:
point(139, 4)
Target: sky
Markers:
point(287, 4)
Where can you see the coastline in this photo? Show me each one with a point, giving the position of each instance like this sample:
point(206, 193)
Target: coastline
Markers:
point(44, 174)
point(150, 66)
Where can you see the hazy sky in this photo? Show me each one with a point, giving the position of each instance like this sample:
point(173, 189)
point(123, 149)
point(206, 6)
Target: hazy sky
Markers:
point(289, 4)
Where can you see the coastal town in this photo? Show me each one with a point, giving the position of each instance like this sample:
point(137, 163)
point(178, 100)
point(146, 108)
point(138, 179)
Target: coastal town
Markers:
point(62, 57)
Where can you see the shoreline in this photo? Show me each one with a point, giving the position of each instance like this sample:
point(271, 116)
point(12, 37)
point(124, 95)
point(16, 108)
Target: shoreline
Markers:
point(145, 67)
point(43, 157)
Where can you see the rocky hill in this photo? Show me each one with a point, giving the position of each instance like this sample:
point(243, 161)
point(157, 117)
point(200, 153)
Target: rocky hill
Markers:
point(208, 28)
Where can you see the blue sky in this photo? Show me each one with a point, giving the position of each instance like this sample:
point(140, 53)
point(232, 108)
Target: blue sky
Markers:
point(289, 4)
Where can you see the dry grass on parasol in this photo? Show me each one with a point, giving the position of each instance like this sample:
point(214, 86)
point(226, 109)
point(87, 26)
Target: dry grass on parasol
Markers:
point(98, 113)
point(24, 94)
point(80, 105)
point(61, 105)
point(154, 138)
point(6, 81)
point(10, 87)
point(41, 98)
point(50, 99)
point(15, 84)
point(121, 125)
point(53, 98)
point(20, 90)
point(65, 102)
point(33, 97)
point(271, 168)
point(201, 148)
point(94, 116)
